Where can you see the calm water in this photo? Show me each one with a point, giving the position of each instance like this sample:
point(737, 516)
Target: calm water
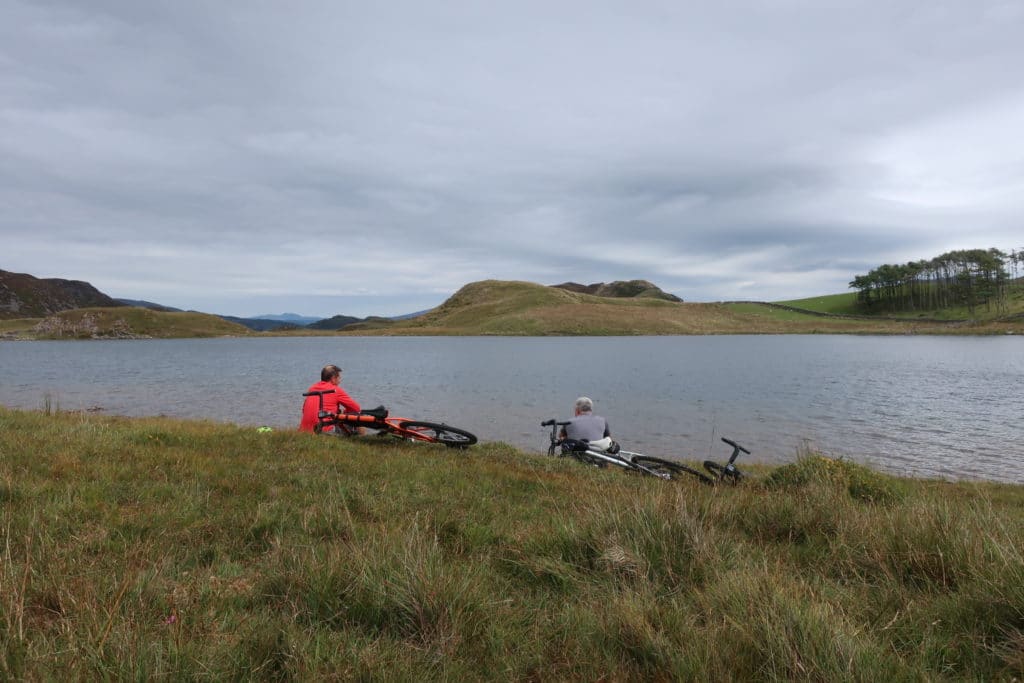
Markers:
point(930, 406)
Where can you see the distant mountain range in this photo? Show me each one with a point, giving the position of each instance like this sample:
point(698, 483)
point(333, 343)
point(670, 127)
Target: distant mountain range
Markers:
point(261, 324)
point(34, 308)
point(25, 296)
point(293, 318)
point(333, 323)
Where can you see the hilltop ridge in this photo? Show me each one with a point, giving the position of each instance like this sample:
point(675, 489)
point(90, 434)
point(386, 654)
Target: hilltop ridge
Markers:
point(621, 289)
point(26, 296)
point(514, 307)
point(486, 307)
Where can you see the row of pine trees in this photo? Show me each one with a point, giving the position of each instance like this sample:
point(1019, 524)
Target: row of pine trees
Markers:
point(966, 277)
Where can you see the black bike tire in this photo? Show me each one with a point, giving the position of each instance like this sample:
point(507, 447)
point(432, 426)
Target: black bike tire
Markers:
point(732, 476)
point(673, 468)
point(452, 437)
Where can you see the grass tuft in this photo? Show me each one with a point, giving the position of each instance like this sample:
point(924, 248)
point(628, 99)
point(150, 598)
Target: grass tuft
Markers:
point(158, 549)
point(860, 482)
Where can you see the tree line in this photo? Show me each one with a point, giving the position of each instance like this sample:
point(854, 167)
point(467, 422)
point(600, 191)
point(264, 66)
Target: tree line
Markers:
point(966, 277)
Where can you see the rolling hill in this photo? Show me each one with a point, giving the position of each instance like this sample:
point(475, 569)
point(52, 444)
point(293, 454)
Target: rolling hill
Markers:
point(35, 308)
point(334, 323)
point(139, 303)
point(26, 296)
point(261, 324)
point(514, 308)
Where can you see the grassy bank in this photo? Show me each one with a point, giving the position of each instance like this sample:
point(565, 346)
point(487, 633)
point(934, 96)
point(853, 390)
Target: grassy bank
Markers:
point(123, 322)
point(767, 318)
point(151, 548)
point(846, 304)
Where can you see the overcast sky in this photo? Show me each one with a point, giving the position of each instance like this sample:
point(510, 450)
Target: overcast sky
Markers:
point(326, 157)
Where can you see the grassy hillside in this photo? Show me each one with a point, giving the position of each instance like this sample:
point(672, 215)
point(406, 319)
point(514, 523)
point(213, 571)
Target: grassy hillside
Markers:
point(494, 307)
point(836, 304)
point(767, 318)
point(155, 549)
point(23, 295)
point(846, 304)
point(121, 323)
point(524, 308)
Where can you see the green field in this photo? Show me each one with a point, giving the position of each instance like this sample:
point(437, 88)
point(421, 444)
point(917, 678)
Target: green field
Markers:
point(846, 304)
point(147, 549)
point(836, 304)
point(494, 307)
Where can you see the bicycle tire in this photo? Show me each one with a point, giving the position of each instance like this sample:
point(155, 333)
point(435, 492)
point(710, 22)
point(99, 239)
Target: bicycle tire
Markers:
point(719, 472)
point(452, 437)
point(673, 469)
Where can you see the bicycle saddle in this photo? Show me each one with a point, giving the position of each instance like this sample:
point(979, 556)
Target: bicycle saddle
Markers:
point(380, 412)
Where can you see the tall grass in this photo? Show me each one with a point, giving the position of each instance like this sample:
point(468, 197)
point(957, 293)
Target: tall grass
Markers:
point(150, 548)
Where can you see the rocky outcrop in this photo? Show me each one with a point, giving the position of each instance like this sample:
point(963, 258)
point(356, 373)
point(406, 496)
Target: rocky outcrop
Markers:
point(620, 289)
point(25, 296)
point(86, 327)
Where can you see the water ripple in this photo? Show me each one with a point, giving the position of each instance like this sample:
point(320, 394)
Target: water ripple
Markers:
point(926, 406)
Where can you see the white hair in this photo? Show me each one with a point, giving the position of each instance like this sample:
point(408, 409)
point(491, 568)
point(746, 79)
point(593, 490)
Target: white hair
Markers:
point(584, 404)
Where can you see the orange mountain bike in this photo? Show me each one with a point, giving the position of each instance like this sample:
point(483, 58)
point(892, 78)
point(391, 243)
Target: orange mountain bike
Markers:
point(348, 424)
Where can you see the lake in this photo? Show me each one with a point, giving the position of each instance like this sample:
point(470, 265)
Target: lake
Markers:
point(945, 407)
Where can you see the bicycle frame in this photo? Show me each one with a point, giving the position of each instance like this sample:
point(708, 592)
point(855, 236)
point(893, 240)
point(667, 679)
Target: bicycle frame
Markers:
point(352, 422)
point(349, 424)
point(728, 472)
point(623, 459)
point(657, 467)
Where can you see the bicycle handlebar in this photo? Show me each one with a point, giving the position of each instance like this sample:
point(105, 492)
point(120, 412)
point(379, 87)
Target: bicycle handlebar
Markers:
point(319, 393)
point(735, 445)
point(548, 423)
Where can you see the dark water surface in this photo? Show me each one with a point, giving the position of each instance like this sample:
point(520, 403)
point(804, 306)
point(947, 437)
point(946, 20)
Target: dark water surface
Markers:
point(949, 407)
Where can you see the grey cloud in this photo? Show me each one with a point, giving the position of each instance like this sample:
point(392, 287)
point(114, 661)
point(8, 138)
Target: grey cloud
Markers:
point(418, 147)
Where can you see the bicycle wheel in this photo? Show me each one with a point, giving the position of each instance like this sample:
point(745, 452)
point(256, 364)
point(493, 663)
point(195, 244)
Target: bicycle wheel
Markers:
point(453, 437)
point(720, 473)
point(675, 470)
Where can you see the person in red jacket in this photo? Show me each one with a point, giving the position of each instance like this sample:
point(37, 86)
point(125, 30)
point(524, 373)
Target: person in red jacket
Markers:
point(330, 378)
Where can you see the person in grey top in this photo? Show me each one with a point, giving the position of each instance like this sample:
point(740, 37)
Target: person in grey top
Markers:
point(586, 426)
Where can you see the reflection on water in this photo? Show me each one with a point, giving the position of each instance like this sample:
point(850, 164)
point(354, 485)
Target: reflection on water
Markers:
point(928, 406)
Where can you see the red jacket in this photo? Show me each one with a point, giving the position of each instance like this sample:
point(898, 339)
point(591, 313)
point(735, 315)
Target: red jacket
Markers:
point(331, 402)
